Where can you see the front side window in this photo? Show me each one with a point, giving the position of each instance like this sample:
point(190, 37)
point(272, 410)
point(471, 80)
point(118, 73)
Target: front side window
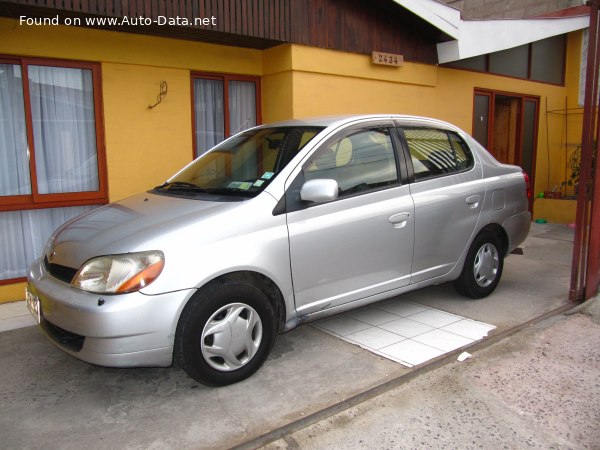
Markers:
point(223, 106)
point(361, 161)
point(241, 166)
point(52, 163)
point(436, 152)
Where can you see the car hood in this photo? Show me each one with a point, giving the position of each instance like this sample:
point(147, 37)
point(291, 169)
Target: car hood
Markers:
point(128, 226)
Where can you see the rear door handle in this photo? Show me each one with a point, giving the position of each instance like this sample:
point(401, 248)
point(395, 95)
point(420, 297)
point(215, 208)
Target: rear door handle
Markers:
point(473, 201)
point(399, 220)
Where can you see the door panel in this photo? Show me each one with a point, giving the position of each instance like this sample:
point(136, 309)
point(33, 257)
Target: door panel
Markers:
point(352, 248)
point(446, 212)
point(360, 244)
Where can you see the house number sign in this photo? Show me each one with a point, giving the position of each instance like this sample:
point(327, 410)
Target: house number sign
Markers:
point(387, 59)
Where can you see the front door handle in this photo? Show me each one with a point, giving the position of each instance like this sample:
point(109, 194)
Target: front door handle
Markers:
point(399, 220)
point(473, 201)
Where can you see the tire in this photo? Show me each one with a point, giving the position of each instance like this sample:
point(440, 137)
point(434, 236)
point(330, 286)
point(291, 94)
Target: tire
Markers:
point(483, 267)
point(225, 333)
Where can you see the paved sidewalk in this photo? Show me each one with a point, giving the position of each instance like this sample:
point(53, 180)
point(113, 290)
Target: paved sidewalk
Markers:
point(539, 388)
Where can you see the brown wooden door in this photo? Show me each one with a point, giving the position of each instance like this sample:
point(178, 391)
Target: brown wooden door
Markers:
point(506, 124)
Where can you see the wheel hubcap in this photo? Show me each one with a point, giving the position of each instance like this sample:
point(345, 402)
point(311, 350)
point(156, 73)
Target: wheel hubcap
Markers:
point(486, 265)
point(231, 337)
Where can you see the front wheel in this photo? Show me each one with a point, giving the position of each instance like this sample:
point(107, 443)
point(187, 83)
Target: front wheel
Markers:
point(483, 267)
point(225, 333)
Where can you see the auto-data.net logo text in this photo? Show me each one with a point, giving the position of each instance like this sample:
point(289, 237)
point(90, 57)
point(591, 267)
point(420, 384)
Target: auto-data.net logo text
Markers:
point(120, 21)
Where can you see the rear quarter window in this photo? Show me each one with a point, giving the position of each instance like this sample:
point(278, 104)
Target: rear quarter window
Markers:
point(436, 153)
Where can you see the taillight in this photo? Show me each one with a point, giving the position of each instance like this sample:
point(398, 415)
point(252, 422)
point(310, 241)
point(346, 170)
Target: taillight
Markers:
point(527, 184)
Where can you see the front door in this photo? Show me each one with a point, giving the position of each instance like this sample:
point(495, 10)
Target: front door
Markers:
point(362, 243)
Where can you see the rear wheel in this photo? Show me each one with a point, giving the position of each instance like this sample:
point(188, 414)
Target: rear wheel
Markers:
point(225, 333)
point(483, 267)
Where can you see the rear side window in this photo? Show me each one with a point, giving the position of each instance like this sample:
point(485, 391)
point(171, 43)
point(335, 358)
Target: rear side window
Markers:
point(361, 161)
point(436, 153)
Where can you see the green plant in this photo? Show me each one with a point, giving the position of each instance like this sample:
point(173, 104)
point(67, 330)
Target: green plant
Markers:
point(574, 164)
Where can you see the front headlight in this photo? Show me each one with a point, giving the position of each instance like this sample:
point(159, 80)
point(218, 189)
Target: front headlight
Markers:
point(119, 274)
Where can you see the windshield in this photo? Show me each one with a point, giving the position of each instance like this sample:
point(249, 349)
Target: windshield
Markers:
point(242, 166)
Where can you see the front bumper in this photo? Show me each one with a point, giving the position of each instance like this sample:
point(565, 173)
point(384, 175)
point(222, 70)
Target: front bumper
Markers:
point(128, 330)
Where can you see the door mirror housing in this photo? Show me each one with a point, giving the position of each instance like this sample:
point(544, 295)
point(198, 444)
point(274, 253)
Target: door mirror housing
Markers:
point(320, 190)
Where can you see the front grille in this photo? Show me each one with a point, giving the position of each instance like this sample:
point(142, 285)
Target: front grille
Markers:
point(62, 273)
point(64, 338)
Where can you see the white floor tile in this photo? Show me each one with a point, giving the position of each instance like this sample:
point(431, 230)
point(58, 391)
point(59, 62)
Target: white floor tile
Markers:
point(403, 331)
point(400, 307)
point(371, 316)
point(374, 338)
point(443, 340)
point(341, 325)
point(469, 328)
point(406, 327)
point(17, 322)
point(411, 352)
point(435, 318)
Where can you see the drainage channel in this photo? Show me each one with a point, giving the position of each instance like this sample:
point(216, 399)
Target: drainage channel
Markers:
point(386, 386)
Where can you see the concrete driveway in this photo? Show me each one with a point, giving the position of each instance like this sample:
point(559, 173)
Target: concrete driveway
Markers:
point(50, 400)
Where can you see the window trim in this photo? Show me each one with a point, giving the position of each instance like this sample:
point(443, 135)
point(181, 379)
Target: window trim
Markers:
point(35, 200)
point(13, 281)
point(225, 78)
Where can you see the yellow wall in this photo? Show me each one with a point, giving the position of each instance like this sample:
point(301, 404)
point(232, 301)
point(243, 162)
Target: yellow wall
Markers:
point(276, 84)
point(555, 211)
point(145, 146)
point(12, 292)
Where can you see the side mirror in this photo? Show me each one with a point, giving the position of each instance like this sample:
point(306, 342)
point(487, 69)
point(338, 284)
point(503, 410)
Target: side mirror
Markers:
point(319, 190)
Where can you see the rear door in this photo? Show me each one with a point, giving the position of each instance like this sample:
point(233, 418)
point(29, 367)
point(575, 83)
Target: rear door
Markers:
point(448, 193)
point(362, 243)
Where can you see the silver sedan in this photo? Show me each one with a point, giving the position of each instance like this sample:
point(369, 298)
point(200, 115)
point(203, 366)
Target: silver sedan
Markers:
point(274, 227)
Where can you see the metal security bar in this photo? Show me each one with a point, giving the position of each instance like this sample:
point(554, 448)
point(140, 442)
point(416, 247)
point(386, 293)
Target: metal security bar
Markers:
point(585, 274)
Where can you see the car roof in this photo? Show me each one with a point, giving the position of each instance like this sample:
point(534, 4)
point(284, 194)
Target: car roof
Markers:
point(326, 121)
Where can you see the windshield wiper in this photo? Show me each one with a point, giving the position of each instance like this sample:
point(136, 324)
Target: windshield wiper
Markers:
point(180, 186)
point(186, 186)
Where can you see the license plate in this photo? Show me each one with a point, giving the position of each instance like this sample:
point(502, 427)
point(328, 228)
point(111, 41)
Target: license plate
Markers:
point(33, 304)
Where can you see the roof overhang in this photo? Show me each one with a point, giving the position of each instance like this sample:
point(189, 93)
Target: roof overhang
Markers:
point(479, 37)
point(488, 36)
point(443, 17)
